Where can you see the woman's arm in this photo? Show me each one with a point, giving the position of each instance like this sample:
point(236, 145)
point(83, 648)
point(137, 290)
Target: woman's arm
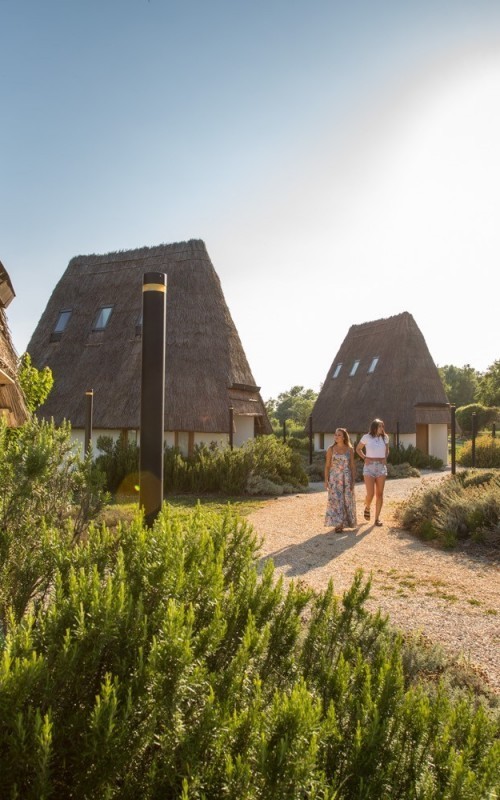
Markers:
point(353, 468)
point(328, 463)
point(359, 450)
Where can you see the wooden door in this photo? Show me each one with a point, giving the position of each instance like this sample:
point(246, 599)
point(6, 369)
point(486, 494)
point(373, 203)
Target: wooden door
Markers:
point(422, 440)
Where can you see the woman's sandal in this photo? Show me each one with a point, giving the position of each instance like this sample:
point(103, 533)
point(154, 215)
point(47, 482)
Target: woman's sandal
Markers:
point(366, 513)
point(378, 523)
point(339, 529)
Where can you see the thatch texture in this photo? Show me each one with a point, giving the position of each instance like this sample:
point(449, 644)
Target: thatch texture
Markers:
point(12, 404)
point(404, 377)
point(204, 355)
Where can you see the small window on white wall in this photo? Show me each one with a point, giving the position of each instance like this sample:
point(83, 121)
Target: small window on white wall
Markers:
point(354, 368)
point(337, 370)
point(372, 366)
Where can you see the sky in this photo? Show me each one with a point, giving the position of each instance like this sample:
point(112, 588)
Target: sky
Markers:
point(340, 161)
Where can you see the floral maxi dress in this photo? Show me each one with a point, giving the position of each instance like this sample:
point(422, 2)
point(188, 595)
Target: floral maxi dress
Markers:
point(341, 505)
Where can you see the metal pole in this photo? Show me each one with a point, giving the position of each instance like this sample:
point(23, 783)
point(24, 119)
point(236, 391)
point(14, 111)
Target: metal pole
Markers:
point(89, 410)
point(231, 425)
point(453, 442)
point(473, 438)
point(154, 294)
point(310, 439)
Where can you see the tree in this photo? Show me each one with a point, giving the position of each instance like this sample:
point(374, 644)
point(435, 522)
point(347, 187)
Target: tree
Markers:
point(460, 383)
point(36, 384)
point(296, 404)
point(488, 388)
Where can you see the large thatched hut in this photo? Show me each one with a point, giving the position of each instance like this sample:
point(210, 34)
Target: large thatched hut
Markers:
point(12, 405)
point(384, 369)
point(90, 337)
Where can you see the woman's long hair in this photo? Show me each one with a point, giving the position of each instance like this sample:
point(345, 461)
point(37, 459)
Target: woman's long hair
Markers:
point(374, 427)
point(345, 436)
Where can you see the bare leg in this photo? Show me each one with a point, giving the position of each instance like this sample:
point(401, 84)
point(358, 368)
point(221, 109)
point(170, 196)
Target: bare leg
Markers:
point(370, 489)
point(379, 495)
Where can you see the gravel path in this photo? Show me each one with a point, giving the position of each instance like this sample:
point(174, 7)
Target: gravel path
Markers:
point(453, 597)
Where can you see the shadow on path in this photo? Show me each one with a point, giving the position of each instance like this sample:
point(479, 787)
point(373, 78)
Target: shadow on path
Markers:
point(314, 552)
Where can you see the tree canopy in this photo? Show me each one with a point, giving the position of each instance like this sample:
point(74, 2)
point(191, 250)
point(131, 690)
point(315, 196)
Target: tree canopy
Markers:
point(296, 404)
point(488, 388)
point(460, 383)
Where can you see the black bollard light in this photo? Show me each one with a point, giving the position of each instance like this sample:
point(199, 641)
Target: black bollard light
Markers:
point(474, 431)
point(89, 410)
point(154, 293)
point(453, 443)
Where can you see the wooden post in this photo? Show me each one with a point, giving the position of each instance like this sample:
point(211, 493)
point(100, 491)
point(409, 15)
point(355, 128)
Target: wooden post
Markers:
point(397, 435)
point(154, 294)
point(474, 427)
point(284, 430)
point(493, 430)
point(453, 442)
point(89, 410)
point(231, 426)
point(310, 439)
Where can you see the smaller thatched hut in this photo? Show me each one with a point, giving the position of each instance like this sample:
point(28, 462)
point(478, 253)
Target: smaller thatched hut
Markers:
point(12, 405)
point(90, 337)
point(384, 369)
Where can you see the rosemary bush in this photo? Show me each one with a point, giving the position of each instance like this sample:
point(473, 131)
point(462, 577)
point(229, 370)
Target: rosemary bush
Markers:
point(162, 665)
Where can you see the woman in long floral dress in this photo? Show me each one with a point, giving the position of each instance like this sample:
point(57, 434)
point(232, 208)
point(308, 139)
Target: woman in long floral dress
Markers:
point(340, 474)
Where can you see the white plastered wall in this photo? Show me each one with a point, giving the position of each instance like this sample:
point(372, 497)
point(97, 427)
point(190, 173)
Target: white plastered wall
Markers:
point(243, 429)
point(78, 436)
point(438, 441)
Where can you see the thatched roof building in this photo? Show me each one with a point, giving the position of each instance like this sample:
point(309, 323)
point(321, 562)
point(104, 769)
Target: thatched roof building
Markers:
point(12, 404)
point(383, 369)
point(90, 337)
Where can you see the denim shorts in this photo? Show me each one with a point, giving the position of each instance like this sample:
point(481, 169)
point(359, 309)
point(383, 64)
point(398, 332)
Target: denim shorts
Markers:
point(375, 470)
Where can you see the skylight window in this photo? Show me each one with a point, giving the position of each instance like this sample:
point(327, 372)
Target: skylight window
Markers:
point(102, 318)
point(62, 321)
point(372, 366)
point(354, 368)
point(337, 370)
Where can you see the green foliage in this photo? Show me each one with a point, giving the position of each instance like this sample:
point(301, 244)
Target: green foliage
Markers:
point(459, 506)
point(487, 452)
point(119, 461)
point(234, 472)
point(163, 666)
point(484, 416)
point(488, 390)
point(35, 384)
point(413, 456)
point(48, 496)
point(294, 406)
point(460, 383)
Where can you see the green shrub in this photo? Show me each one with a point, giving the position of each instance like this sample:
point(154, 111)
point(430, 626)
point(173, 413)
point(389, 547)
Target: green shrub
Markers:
point(164, 666)
point(216, 469)
point(48, 497)
point(119, 461)
point(485, 416)
point(457, 507)
point(487, 452)
point(413, 456)
point(403, 470)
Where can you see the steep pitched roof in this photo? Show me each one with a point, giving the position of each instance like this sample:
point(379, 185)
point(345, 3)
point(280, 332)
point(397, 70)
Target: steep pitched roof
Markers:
point(404, 376)
point(204, 356)
point(12, 403)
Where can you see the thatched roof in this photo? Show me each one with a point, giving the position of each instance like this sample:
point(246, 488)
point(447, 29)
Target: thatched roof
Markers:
point(204, 356)
point(403, 387)
point(12, 404)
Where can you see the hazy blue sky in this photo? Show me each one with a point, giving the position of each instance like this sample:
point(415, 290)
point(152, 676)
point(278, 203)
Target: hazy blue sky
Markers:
point(340, 160)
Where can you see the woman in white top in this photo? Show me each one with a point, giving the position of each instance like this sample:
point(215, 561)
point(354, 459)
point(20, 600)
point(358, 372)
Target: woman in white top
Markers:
point(376, 449)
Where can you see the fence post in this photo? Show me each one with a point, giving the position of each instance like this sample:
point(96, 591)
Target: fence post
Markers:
point(397, 435)
point(453, 408)
point(474, 428)
point(310, 439)
point(493, 430)
point(284, 430)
